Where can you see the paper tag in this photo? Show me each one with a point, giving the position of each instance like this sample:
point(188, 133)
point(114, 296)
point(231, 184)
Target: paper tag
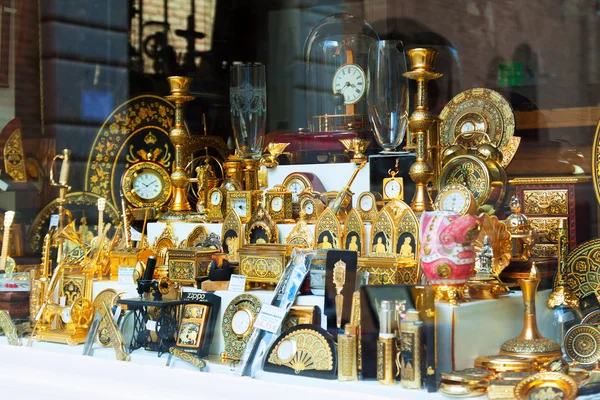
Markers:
point(62, 301)
point(237, 283)
point(125, 274)
point(269, 318)
point(3, 185)
point(53, 221)
point(151, 325)
point(135, 235)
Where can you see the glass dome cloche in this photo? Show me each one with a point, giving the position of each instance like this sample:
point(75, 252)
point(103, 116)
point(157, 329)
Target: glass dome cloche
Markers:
point(336, 53)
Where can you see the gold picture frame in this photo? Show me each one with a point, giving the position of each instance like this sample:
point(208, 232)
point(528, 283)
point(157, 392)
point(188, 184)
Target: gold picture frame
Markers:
point(232, 235)
point(354, 233)
point(328, 231)
point(383, 235)
point(261, 229)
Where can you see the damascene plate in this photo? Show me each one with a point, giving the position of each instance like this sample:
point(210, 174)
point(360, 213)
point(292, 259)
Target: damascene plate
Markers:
point(582, 344)
point(582, 269)
point(481, 110)
point(596, 162)
point(592, 318)
point(546, 385)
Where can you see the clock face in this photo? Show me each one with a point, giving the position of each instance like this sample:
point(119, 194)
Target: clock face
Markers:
point(469, 174)
point(453, 201)
point(240, 206)
point(296, 186)
point(366, 203)
point(241, 322)
point(309, 208)
point(349, 81)
point(277, 204)
point(392, 189)
point(286, 350)
point(146, 184)
point(215, 198)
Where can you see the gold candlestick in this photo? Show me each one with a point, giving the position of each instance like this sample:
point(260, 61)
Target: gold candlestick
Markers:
point(422, 128)
point(179, 207)
point(530, 343)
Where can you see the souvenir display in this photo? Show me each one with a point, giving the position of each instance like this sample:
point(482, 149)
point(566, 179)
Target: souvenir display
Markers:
point(328, 231)
point(357, 147)
point(393, 188)
point(215, 207)
point(274, 150)
point(340, 276)
point(354, 233)
point(7, 327)
point(552, 384)
point(343, 199)
point(312, 205)
point(347, 355)
point(368, 205)
point(261, 229)
point(263, 264)
point(7, 264)
point(146, 184)
point(187, 265)
point(233, 235)
point(456, 198)
point(520, 231)
point(279, 205)
point(241, 203)
point(301, 235)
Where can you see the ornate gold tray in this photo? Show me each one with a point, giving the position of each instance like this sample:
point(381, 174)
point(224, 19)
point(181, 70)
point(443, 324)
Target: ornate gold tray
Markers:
point(547, 385)
point(582, 269)
point(80, 205)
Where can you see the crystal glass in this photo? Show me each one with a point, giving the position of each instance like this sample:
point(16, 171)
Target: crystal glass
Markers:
point(387, 93)
point(248, 102)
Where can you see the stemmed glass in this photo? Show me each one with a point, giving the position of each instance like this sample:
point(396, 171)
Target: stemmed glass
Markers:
point(387, 93)
point(248, 102)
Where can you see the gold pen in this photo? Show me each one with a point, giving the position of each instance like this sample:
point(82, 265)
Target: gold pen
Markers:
point(385, 345)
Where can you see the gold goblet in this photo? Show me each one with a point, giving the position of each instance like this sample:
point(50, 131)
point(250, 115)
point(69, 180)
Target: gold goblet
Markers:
point(357, 146)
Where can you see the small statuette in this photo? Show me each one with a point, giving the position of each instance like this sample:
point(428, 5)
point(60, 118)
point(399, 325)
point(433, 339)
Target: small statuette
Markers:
point(486, 259)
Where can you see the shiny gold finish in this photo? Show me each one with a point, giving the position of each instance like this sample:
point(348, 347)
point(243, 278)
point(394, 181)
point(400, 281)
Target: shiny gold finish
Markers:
point(263, 264)
point(499, 240)
point(389, 271)
point(113, 333)
point(445, 199)
point(148, 167)
point(385, 365)
point(7, 264)
point(215, 207)
point(311, 205)
point(595, 162)
point(244, 202)
point(461, 390)
point(452, 294)
point(561, 296)
point(14, 157)
point(310, 352)
point(501, 389)
point(530, 343)
point(274, 150)
point(279, 204)
point(343, 199)
point(499, 364)
point(582, 344)
point(375, 202)
point(486, 289)
point(339, 280)
point(261, 221)
point(232, 236)
point(7, 327)
point(347, 357)
point(546, 385)
point(250, 174)
point(423, 129)
point(179, 207)
point(301, 235)
point(357, 147)
point(354, 233)
point(546, 202)
point(187, 264)
point(76, 318)
point(550, 180)
point(582, 269)
point(233, 168)
point(328, 231)
point(235, 343)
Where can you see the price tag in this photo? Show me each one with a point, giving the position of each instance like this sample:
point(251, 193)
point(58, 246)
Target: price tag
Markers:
point(3, 185)
point(269, 318)
point(62, 301)
point(53, 221)
point(237, 283)
point(151, 325)
point(125, 274)
point(135, 235)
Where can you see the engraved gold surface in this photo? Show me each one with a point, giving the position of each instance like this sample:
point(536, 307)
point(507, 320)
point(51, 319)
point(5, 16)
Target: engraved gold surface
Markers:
point(215, 212)
point(509, 151)
point(196, 236)
point(159, 172)
point(596, 162)
point(14, 157)
point(582, 344)
point(235, 344)
point(246, 195)
point(261, 220)
point(167, 240)
point(546, 386)
point(546, 202)
point(368, 215)
point(500, 240)
point(582, 270)
point(550, 180)
point(301, 235)
point(481, 110)
point(107, 296)
point(543, 250)
point(285, 213)
point(232, 236)
point(312, 352)
point(383, 227)
point(328, 231)
point(354, 233)
point(8, 328)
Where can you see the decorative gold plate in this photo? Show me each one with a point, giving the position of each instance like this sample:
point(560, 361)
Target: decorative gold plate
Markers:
point(546, 385)
point(79, 204)
point(596, 162)
point(582, 344)
point(481, 110)
point(582, 270)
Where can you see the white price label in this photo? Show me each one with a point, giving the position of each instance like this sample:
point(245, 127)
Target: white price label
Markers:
point(125, 274)
point(135, 235)
point(237, 283)
point(151, 325)
point(62, 301)
point(53, 221)
point(269, 318)
point(3, 185)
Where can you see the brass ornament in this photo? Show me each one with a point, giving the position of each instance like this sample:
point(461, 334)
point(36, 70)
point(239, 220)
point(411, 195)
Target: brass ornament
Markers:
point(311, 205)
point(509, 151)
point(406, 244)
point(75, 203)
point(592, 318)
point(196, 236)
point(14, 157)
point(165, 241)
point(301, 235)
point(215, 207)
point(546, 385)
point(596, 162)
point(242, 203)
point(383, 235)
point(477, 110)
point(279, 205)
point(546, 202)
point(108, 297)
point(232, 234)
point(136, 130)
point(500, 241)
point(264, 264)
point(274, 150)
point(582, 269)
point(582, 344)
point(235, 343)
point(7, 327)
point(158, 172)
point(357, 147)
point(261, 228)
point(368, 205)
point(456, 197)
point(354, 233)
point(308, 350)
point(328, 231)
point(503, 364)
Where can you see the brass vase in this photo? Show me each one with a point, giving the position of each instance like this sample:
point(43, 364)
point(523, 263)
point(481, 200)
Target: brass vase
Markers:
point(530, 343)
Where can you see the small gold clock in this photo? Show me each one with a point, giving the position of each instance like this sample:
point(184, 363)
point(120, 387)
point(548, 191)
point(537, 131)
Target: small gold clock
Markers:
point(312, 205)
point(216, 204)
point(456, 197)
point(393, 188)
point(237, 324)
point(368, 205)
point(279, 204)
point(298, 182)
point(240, 202)
point(146, 184)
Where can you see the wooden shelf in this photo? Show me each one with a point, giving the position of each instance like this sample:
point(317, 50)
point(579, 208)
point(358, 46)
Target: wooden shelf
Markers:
point(557, 118)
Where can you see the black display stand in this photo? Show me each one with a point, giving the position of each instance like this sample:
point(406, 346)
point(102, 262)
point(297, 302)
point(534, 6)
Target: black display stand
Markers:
point(380, 164)
point(350, 258)
point(165, 314)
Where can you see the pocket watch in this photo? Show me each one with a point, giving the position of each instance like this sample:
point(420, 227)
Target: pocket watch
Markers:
point(279, 204)
point(484, 178)
point(298, 182)
point(368, 205)
point(349, 81)
point(146, 184)
point(312, 206)
point(237, 324)
point(215, 204)
point(393, 188)
point(456, 197)
point(241, 203)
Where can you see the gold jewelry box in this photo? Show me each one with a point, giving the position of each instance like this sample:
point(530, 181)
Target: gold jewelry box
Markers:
point(121, 258)
point(263, 264)
point(389, 271)
point(186, 264)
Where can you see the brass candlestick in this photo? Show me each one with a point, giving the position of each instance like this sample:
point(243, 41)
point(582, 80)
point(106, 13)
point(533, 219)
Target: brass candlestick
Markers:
point(179, 207)
point(530, 343)
point(420, 124)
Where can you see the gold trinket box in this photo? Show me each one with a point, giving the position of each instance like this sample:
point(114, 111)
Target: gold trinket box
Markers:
point(389, 271)
point(263, 264)
point(461, 390)
point(120, 258)
point(504, 364)
point(185, 265)
point(501, 390)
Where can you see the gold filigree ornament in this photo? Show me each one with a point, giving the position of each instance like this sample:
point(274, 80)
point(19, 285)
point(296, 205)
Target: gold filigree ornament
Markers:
point(354, 233)
point(546, 386)
point(14, 158)
point(500, 240)
point(582, 344)
point(582, 269)
point(108, 297)
point(596, 162)
point(196, 236)
point(328, 231)
point(301, 235)
point(261, 228)
point(167, 240)
point(301, 350)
